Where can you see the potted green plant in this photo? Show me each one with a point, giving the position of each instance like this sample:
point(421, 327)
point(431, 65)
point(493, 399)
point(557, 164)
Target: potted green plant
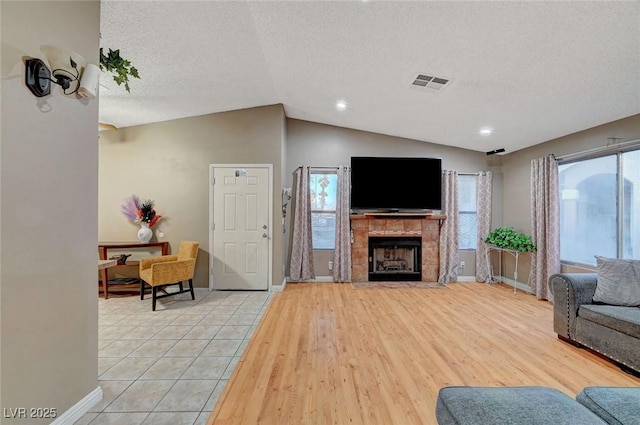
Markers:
point(507, 237)
point(120, 67)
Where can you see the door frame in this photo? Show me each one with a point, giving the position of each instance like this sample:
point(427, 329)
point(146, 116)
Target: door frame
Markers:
point(269, 167)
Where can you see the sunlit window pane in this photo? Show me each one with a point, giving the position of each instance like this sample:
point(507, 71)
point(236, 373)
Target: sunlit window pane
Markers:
point(323, 192)
point(468, 213)
point(588, 214)
point(467, 192)
point(323, 230)
point(631, 205)
point(468, 230)
point(323, 206)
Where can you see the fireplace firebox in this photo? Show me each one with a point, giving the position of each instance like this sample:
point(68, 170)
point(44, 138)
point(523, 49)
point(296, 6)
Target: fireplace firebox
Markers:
point(395, 259)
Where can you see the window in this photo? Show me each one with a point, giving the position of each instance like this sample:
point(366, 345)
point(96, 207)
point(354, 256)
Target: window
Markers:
point(322, 187)
point(600, 208)
point(468, 212)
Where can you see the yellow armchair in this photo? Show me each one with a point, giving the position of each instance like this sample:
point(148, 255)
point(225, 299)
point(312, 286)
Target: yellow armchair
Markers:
point(166, 270)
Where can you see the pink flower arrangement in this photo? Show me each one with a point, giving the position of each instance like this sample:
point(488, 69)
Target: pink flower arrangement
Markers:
point(139, 211)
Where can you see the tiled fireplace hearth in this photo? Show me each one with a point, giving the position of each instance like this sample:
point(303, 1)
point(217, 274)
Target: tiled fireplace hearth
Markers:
point(395, 257)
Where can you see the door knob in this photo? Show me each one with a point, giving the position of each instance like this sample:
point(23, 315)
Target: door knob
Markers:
point(264, 235)
point(264, 226)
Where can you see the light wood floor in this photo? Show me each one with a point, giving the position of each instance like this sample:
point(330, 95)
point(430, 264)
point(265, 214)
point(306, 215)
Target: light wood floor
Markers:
point(330, 354)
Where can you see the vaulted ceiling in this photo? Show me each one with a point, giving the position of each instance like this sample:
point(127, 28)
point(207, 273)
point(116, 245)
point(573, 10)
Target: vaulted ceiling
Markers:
point(528, 71)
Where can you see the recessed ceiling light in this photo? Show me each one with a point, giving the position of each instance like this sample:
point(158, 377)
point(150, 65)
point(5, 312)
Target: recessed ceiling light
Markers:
point(486, 131)
point(341, 105)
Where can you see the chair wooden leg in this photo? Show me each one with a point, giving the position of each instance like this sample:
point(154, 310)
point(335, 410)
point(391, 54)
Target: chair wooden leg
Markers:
point(193, 297)
point(105, 283)
point(181, 288)
point(141, 289)
point(153, 298)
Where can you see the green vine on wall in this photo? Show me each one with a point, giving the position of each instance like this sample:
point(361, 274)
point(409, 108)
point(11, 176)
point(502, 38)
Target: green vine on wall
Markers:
point(120, 67)
point(506, 237)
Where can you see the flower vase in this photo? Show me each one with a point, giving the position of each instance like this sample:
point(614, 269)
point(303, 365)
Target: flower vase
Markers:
point(145, 233)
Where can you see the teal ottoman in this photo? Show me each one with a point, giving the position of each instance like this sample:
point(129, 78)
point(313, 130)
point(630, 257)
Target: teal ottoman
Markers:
point(616, 405)
point(510, 405)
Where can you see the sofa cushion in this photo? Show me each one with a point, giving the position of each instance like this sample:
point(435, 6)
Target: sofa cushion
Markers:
point(622, 319)
point(617, 406)
point(510, 405)
point(618, 281)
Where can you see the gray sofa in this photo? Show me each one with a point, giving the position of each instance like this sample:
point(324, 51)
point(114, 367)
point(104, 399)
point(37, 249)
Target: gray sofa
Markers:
point(612, 331)
point(537, 406)
point(512, 406)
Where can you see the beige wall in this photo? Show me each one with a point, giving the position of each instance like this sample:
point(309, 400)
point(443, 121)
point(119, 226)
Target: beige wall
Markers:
point(517, 175)
point(48, 210)
point(169, 163)
point(322, 145)
point(176, 155)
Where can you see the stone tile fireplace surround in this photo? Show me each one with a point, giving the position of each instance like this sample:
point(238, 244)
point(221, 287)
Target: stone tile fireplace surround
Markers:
point(395, 225)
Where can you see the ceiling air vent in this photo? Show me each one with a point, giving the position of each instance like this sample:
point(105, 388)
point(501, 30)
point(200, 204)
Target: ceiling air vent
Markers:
point(430, 83)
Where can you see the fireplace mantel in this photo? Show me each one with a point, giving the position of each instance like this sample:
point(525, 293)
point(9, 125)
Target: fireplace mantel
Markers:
point(425, 226)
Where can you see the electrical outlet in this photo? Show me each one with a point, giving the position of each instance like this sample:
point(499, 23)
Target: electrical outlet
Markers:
point(330, 265)
point(462, 265)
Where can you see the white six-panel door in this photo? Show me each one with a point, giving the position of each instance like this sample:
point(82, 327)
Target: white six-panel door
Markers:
point(241, 231)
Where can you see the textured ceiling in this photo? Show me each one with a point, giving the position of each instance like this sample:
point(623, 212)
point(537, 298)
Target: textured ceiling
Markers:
point(532, 71)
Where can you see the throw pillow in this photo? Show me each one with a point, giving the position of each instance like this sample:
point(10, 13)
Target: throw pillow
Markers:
point(618, 281)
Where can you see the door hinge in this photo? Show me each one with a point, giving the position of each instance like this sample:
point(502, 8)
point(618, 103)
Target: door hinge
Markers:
point(213, 181)
point(213, 226)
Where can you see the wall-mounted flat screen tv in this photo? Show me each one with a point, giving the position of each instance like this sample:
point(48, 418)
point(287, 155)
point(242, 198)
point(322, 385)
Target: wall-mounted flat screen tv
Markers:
point(396, 184)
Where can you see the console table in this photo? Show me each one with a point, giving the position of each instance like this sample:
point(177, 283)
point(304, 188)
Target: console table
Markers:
point(104, 247)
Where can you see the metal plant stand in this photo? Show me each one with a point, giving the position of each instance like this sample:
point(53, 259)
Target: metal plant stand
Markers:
point(516, 254)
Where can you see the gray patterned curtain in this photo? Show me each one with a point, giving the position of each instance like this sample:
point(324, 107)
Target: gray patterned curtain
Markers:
point(483, 208)
point(545, 224)
point(342, 252)
point(301, 267)
point(449, 233)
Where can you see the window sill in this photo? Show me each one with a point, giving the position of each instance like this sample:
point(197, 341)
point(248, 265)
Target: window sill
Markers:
point(588, 268)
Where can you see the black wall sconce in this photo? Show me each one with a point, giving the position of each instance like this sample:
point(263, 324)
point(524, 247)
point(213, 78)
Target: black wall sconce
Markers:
point(65, 72)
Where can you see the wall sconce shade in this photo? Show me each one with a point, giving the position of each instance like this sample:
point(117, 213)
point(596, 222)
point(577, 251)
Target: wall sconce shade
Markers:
point(65, 66)
point(89, 82)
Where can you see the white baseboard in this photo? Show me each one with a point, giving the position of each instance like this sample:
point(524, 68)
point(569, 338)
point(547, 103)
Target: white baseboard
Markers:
point(78, 410)
point(279, 288)
point(499, 279)
point(466, 278)
point(323, 279)
point(317, 279)
point(519, 285)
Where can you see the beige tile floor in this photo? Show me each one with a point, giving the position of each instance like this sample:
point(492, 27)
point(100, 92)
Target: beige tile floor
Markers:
point(170, 366)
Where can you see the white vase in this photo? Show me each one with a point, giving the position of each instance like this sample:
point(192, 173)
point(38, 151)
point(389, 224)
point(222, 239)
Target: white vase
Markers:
point(145, 233)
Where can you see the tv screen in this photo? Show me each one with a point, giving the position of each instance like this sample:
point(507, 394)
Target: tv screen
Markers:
point(396, 184)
